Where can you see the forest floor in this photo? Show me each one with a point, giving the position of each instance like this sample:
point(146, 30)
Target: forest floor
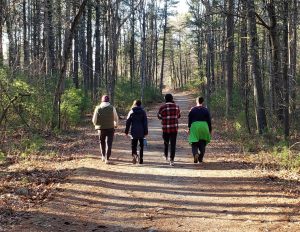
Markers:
point(78, 192)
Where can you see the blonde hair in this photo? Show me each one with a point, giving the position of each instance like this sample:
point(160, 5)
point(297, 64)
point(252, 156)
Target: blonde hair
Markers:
point(136, 103)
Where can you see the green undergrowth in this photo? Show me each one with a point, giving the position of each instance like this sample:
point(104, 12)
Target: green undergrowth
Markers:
point(125, 94)
point(23, 148)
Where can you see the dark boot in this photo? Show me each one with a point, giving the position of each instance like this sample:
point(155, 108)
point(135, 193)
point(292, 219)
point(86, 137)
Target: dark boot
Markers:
point(196, 158)
point(141, 161)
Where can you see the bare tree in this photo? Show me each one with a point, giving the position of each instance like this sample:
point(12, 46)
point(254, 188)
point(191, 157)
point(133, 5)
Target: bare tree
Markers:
point(256, 69)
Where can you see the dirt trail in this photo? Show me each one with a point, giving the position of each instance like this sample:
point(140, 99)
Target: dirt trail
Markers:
point(221, 194)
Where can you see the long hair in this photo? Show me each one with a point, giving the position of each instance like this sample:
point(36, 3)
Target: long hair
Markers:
point(136, 103)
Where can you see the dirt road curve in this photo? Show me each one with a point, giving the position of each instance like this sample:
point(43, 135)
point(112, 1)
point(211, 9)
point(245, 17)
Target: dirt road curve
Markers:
point(221, 194)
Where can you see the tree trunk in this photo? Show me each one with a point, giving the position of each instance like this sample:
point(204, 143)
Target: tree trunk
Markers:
point(244, 74)
point(83, 52)
point(11, 42)
point(76, 53)
point(68, 46)
point(293, 52)
point(25, 38)
point(98, 60)
point(163, 46)
point(143, 51)
point(256, 69)
point(275, 75)
point(229, 55)
point(50, 36)
point(1, 32)
point(132, 45)
point(89, 53)
point(285, 69)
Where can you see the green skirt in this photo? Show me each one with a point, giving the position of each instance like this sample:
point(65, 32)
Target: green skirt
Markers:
point(199, 131)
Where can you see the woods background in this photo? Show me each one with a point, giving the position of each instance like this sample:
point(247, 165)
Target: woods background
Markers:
point(57, 57)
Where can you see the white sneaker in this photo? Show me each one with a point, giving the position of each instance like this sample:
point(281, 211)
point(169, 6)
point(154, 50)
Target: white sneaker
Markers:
point(107, 161)
point(103, 158)
point(172, 163)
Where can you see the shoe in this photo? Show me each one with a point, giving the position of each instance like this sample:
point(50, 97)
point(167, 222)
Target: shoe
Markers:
point(107, 161)
point(141, 161)
point(165, 157)
point(172, 163)
point(196, 158)
point(135, 158)
point(103, 158)
point(200, 160)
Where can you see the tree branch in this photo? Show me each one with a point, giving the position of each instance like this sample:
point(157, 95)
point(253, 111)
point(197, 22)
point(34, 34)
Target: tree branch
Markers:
point(262, 22)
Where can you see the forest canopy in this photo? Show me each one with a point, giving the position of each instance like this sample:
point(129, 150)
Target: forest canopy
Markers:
point(57, 58)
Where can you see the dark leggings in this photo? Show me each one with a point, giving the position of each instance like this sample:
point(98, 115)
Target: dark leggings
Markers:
point(199, 146)
point(134, 143)
point(170, 138)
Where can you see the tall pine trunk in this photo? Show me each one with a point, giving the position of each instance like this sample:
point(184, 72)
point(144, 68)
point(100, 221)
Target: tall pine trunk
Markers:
point(256, 69)
point(1, 31)
point(163, 46)
point(229, 55)
point(286, 89)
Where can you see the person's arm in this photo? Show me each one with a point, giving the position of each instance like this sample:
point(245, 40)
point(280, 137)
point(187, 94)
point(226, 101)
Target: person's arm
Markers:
point(209, 121)
point(116, 117)
point(128, 124)
point(145, 124)
point(94, 120)
point(189, 120)
point(178, 113)
point(159, 113)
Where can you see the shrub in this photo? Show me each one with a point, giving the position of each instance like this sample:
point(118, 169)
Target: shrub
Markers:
point(73, 105)
point(2, 156)
point(125, 94)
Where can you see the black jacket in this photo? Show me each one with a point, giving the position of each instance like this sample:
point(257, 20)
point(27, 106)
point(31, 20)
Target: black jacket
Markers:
point(199, 113)
point(137, 120)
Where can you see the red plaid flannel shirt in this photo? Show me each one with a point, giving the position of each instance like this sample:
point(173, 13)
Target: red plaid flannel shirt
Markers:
point(169, 114)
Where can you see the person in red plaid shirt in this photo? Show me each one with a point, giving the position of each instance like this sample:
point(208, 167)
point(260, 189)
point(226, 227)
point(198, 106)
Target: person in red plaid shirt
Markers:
point(169, 113)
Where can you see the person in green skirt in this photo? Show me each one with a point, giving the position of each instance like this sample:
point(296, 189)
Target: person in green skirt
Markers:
point(199, 123)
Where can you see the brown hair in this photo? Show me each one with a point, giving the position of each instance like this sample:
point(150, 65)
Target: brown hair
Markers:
point(200, 100)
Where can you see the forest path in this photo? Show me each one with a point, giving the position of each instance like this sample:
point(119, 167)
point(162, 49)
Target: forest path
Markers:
point(222, 194)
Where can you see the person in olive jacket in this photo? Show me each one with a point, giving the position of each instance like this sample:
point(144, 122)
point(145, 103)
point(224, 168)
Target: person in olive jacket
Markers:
point(137, 120)
point(105, 120)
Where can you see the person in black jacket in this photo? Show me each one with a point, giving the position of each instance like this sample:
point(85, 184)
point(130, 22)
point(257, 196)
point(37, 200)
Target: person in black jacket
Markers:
point(137, 120)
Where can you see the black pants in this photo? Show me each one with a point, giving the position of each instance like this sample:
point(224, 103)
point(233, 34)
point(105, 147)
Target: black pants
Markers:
point(106, 137)
point(170, 138)
point(199, 146)
point(134, 143)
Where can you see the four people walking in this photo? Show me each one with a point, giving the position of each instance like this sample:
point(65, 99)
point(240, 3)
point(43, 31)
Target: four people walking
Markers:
point(105, 119)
